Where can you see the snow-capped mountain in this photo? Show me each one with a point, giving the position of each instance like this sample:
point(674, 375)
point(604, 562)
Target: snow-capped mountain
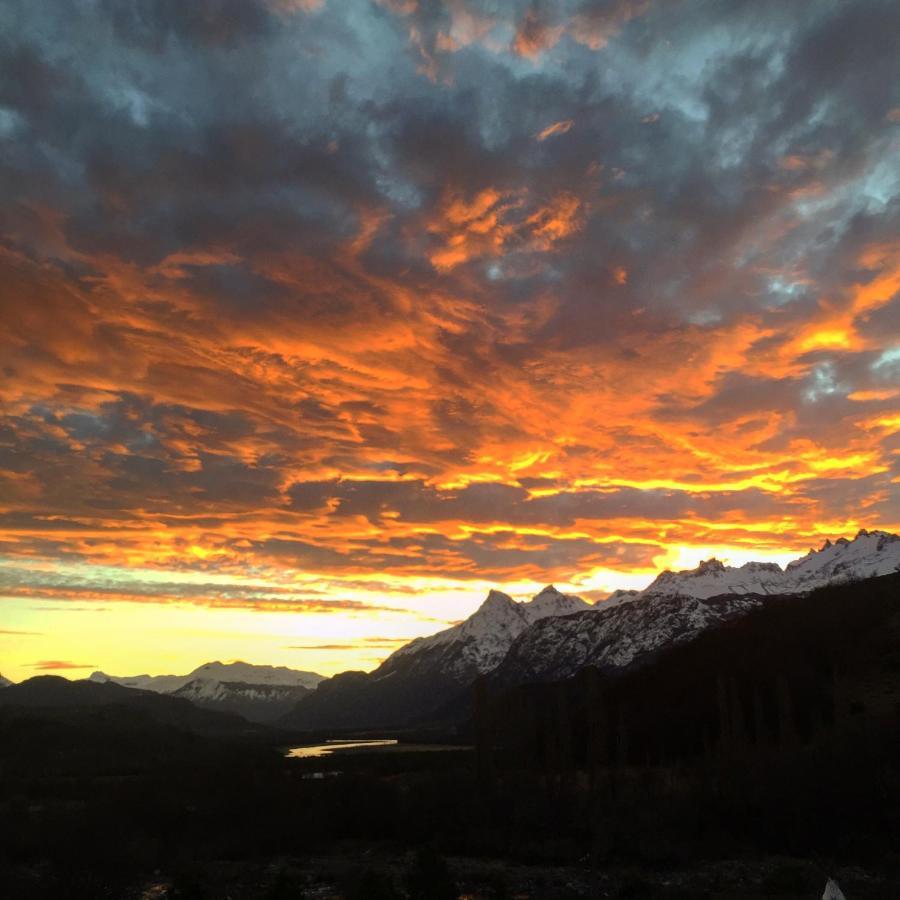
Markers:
point(424, 675)
point(159, 684)
point(216, 671)
point(4, 682)
point(478, 644)
point(554, 635)
point(869, 554)
point(614, 637)
point(677, 606)
point(256, 702)
point(712, 578)
point(259, 693)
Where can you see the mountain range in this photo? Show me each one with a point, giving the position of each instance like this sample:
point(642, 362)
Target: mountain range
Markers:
point(420, 677)
point(555, 635)
point(66, 698)
point(869, 554)
point(258, 693)
point(548, 638)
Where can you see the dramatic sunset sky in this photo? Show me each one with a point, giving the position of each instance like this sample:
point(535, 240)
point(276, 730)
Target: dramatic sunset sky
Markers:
point(320, 317)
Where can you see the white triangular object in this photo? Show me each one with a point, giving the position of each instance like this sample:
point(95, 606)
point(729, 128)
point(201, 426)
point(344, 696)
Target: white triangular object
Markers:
point(832, 891)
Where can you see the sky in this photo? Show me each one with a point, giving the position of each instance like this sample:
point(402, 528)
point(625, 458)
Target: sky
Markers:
point(320, 317)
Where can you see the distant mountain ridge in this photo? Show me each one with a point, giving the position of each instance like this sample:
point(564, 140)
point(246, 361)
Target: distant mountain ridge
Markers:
point(246, 673)
point(258, 693)
point(678, 606)
point(555, 634)
point(868, 555)
point(52, 692)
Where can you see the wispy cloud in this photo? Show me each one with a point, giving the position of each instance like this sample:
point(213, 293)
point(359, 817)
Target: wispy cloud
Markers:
point(49, 665)
point(556, 128)
point(367, 642)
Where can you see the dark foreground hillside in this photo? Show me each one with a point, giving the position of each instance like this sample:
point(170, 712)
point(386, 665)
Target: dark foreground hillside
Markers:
point(751, 763)
point(779, 731)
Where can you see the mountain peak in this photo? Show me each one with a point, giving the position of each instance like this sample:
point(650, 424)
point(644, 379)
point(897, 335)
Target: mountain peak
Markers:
point(713, 577)
point(708, 566)
point(246, 673)
point(495, 600)
point(622, 595)
point(868, 554)
point(550, 601)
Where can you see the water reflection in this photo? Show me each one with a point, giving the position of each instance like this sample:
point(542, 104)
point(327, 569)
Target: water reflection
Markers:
point(329, 747)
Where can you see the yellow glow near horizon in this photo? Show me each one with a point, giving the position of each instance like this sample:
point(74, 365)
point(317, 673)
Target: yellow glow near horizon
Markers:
point(127, 638)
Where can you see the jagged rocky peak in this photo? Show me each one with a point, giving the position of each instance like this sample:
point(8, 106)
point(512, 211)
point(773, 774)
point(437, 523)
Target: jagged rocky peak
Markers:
point(497, 608)
point(713, 577)
point(762, 567)
point(870, 553)
point(495, 600)
point(865, 542)
point(478, 643)
point(622, 595)
point(550, 601)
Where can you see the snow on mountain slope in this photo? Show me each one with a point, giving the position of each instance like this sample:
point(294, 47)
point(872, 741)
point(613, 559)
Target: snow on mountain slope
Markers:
point(262, 703)
point(251, 674)
point(159, 684)
point(209, 690)
point(623, 595)
point(554, 635)
point(677, 606)
point(479, 643)
point(868, 554)
point(420, 679)
point(614, 637)
point(4, 682)
point(497, 617)
point(551, 602)
point(216, 671)
point(712, 578)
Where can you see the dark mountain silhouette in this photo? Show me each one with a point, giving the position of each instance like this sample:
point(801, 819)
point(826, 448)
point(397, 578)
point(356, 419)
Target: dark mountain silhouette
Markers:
point(50, 694)
point(785, 674)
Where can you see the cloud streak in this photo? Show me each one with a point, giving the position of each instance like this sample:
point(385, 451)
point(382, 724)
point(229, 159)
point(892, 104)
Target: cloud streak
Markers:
point(60, 665)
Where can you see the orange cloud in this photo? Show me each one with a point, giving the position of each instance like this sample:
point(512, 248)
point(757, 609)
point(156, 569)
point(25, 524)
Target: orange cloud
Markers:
point(555, 129)
point(53, 665)
point(596, 28)
point(494, 223)
point(535, 35)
